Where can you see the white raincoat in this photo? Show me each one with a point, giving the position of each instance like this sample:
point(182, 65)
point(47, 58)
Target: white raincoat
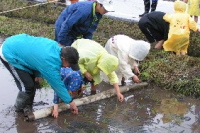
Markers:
point(128, 51)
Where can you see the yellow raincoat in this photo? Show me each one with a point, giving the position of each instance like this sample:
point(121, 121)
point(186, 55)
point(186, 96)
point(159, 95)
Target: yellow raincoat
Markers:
point(94, 58)
point(194, 7)
point(179, 32)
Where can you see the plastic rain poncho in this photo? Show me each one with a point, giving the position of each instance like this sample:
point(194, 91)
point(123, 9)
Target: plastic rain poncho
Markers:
point(94, 58)
point(193, 7)
point(180, 25)
point(127, 50)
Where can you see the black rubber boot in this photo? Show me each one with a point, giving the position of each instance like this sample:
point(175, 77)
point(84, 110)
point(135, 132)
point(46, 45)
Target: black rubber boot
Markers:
point(28, 109)
point(20, 102)
point(153, 5)
point(146, 7)
point(29, 104)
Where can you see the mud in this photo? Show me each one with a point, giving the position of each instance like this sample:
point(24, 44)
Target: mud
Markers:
point(146, 110)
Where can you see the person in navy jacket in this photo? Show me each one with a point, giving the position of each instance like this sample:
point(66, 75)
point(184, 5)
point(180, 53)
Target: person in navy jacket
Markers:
point(80, 20)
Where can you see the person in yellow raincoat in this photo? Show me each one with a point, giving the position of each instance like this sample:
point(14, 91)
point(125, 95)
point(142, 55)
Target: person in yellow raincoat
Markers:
point(179, 30)
point(94, 59)
point(193, 8)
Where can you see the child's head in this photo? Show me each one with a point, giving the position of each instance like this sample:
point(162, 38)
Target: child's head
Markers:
point(179, 6)
point(139, 50)
point(73, 81)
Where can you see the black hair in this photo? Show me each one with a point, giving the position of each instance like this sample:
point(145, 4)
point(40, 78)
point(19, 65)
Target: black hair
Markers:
point(70, 54)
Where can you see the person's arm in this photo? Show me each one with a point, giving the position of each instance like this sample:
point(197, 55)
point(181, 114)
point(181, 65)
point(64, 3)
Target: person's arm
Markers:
point(114, 80)
point(55, 111)
point(136, 69)
point(167, 17)
point(125, 67)
point(92, 28)
point(90, 32)
point(83, 70)
point(67, 25)
point(53, 77)
point(55, 107)
point(193, 25)
point(119, 94)
point(56, 99)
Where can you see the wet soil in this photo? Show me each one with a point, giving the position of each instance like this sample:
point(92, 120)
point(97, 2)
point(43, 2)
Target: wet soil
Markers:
point(146, 110)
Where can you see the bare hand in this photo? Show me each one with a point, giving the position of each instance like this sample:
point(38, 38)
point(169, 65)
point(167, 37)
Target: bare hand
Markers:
point(120, 97)
point(136, 70)
point(73, 108)
point(88, 76)
point(136, 79)
point(55, 113)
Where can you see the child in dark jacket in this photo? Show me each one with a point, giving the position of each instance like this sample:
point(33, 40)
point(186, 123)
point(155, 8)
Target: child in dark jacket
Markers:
point(80, 20)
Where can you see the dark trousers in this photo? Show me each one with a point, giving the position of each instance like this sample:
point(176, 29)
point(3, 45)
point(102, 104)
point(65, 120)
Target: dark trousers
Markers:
point(24, 80)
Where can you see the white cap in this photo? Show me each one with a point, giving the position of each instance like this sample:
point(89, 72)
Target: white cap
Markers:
point(107, 4)
point(139, 50)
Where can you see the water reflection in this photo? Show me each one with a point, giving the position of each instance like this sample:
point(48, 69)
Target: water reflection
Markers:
point(174, 116)
point(171, 109)
point(196, 125)
point(24, 127)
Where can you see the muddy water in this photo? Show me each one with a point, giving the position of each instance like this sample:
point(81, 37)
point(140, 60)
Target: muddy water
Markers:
point(146, 110)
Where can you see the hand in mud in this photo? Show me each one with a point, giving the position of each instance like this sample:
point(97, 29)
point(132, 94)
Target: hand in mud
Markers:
point(120, 97)
point(136, 79)
point(136, 71)
point(73, 108)
point(55, 111)
point(88, 76)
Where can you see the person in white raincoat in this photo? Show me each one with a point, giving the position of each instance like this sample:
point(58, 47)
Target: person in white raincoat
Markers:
point(129, 52)
point(94, 59)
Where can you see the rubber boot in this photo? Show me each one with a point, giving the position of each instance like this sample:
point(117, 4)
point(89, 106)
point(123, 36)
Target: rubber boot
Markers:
point(29, 104)
point(20, 102)
point(153, 5)
point(146, 7)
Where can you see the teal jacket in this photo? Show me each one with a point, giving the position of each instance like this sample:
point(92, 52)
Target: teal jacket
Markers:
point(38, 54)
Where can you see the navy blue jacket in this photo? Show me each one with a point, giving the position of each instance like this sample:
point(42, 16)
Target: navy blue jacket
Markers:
point(78, 20)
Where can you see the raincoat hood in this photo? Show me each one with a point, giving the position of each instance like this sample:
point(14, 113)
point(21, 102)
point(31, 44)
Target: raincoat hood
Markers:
point(139, 50)
point(108, 63)
point(179, 6)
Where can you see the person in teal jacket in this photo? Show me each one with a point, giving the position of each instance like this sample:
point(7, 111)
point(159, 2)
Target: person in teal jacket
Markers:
point(28, 57)
point(80, 20)
point(95, 59)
